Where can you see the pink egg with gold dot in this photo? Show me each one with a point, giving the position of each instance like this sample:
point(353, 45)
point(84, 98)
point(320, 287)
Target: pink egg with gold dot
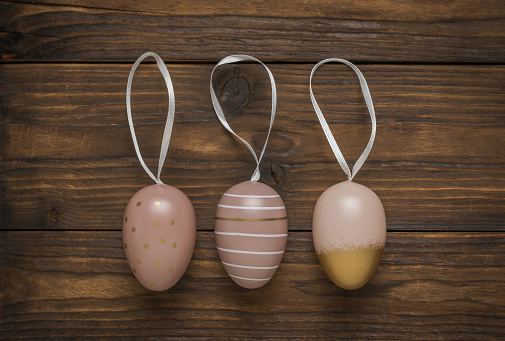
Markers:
point(159, 234)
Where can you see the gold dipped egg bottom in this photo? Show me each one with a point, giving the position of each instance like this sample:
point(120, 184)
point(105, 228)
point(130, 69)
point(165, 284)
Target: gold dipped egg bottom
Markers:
point(353, 267)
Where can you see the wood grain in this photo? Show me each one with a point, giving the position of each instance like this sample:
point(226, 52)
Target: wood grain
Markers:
point(78, 285)
point(67, 161)
point(93, 195)
point(67, 30)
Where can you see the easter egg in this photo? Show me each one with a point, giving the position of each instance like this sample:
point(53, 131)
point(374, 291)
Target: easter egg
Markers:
point(159, 233)
point(349, 230)
point(251, 230)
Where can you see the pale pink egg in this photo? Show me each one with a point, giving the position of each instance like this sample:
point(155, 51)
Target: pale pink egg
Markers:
point(251, 230)
point(159, 233)
point(349, 230)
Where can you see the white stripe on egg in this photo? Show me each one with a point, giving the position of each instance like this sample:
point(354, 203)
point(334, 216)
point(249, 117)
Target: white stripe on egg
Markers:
point(260, 235)
point(251, 279)
point(251, 267)
point(251, 196)
point(252, 252)
point(252, 208)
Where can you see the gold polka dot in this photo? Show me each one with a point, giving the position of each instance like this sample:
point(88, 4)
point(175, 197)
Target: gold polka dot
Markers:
point(174, 244)
point(163, 241)
point(138, 261)
point(146, 246)
point(125, 219)
point(155, 223)
point(134, 229)
point(157, 264)
point(172, 222)
point(157, 203)
point(125, 246)
point(153, 284)
point(139, 203)
point(171, 270)
point(134, 271)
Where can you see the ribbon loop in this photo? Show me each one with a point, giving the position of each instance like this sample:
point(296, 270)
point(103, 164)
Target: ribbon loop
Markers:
point(170, 116)
point(222, 118)
point(326, 128)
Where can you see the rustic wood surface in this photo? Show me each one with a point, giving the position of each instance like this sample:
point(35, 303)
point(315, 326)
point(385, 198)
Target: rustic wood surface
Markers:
point(70, 163)
point(370, 30)
point(429, 286)
point(436, 72)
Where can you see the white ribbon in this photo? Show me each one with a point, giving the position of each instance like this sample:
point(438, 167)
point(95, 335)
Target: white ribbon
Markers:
point(222, 118)
point(327, 131)
point(170, 117)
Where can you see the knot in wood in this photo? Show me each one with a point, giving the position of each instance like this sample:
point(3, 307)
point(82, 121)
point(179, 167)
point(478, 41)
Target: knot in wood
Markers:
point(54, 214)
point(235, 94)
point(272, 174)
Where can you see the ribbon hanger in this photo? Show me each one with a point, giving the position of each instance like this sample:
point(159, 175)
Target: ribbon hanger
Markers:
point(326, 128)
point(170, 116)
point(222, 118)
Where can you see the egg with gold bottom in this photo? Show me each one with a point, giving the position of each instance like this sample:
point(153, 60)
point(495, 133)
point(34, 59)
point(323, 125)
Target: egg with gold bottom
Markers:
point(349, 230)
point(159, 234)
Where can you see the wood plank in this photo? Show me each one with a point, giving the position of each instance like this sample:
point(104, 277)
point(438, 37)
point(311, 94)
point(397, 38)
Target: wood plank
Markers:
point(78, 285)
point(296, 30)
point(67, 161)
point(93, 195)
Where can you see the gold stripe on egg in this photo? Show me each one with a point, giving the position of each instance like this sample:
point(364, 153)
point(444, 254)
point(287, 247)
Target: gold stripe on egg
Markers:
point(351, 266)
point(246, 219)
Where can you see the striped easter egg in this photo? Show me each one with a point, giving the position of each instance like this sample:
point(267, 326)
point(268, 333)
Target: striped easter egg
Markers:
point(251, 230)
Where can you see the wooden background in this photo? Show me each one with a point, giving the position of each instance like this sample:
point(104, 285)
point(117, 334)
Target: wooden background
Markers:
point(436, 71)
